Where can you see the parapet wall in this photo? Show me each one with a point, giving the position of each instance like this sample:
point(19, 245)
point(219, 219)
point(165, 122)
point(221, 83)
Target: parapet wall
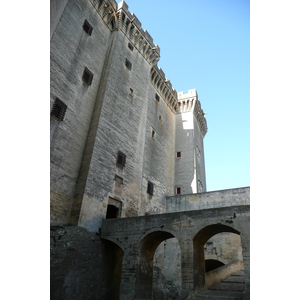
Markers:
point(164, 87)
point(117, 17)
point(215, 199)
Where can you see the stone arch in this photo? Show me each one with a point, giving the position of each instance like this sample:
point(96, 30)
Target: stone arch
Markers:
point(147, 248)
point(116, 242)
point(214, 257)
point(199, 240)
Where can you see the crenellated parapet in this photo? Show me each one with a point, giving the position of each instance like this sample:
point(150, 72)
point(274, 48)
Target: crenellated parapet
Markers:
point(164, 87)
point(190, 102)
point(106, 9)
point(117, 17)
point(130, 25)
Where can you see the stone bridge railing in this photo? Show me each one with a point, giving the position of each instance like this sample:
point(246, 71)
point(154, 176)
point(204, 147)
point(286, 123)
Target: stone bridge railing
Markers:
point(138, 237)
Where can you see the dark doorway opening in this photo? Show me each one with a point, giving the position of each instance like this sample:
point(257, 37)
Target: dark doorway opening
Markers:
point(112, 212)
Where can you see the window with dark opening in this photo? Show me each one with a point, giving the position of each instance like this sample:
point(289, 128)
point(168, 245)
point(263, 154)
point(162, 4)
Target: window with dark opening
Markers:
point(87, 27)
point(178, 154)
point(131, 92)
point(128, 64)
point(87, 76)
point(112, 212)
point(178, 190)
point(157, 97)
point(150, 188)
point(153, 133)
point(59, 109)
point(121, 159)
point(130, 46)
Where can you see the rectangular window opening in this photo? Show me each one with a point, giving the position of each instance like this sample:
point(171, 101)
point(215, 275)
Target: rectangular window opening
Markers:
point(153, 133)
point(87, 76)
point(130, 46)
point(128, 64)
point(150, 188)
point(121, 159)
point(58, 109)
point(157, 97)
point(87, 27)
point(178, 154)
point(178, 190)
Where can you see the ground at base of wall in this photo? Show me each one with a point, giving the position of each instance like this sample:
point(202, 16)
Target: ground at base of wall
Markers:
point(167, 291)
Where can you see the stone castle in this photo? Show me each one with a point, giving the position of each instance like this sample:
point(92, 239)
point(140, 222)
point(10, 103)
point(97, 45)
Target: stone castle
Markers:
point(125, 144)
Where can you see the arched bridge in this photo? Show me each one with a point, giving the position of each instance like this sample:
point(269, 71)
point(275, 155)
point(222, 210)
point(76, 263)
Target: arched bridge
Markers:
point(138, 238)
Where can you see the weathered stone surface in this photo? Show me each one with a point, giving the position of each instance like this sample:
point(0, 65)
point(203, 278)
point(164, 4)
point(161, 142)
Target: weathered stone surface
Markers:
point(118, 111)
point(129, 106)
point(83, 266)
point(192, 229)
point(214, 199)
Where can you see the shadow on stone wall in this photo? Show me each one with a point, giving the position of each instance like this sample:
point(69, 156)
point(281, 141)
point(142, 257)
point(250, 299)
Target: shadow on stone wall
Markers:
point(82, 266)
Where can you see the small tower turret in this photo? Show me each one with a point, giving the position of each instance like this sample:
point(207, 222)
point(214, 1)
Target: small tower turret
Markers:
point(191, 127)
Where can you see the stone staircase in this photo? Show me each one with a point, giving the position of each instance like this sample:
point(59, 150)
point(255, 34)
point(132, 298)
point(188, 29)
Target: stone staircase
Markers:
point(230, 288)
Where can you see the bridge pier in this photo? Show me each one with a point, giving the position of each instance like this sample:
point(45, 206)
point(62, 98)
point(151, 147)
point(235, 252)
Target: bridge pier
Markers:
point(187, 269)
point(129, 271)
point(245, 239)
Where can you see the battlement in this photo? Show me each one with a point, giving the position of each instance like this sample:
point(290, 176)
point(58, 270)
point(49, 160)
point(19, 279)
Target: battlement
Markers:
point(190, 93)
point(117, 17)
point(164, 87)
point(130, 25)
point(190, 102)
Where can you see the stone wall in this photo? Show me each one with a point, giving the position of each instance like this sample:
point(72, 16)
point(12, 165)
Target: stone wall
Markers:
point(56, 10)
point(71, 50)
point(214, 199)
point(118, 111)
point(140, 236)
point(82, 265)
point(167, 270)
point(121, 127)
point(223, 247)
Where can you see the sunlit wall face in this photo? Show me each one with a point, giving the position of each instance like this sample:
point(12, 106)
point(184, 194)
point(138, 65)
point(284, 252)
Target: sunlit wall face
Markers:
point(189, 150)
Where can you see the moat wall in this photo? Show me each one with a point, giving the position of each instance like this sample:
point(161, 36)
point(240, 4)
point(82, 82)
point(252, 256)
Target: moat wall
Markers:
point(82, 265)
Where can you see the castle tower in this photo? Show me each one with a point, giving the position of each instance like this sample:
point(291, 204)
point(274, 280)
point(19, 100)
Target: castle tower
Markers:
point(117, 124)
point(191, 127)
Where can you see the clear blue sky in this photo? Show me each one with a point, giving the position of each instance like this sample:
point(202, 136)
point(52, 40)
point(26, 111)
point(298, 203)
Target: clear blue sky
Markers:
point(205, 44)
